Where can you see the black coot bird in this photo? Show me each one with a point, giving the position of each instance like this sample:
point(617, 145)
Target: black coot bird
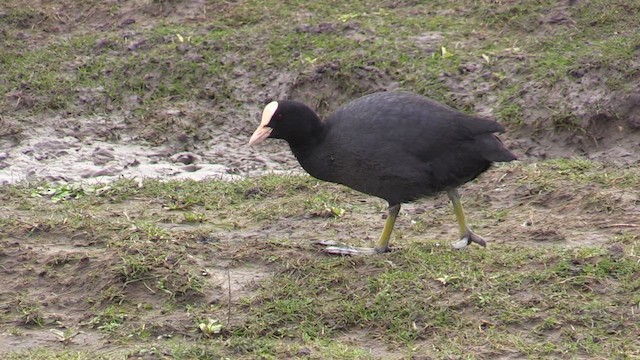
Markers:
point(398, 146)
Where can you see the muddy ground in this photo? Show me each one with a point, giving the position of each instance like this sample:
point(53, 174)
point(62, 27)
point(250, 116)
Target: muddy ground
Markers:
point(62, 146)
point(199, 139)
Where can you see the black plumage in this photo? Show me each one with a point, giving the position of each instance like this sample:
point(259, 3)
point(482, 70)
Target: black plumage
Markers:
point(398, 146)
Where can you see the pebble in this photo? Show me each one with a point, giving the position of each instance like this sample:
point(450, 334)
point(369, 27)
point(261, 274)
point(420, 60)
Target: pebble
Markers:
point(191, 168)
point(110, 171)
point(186, 158)
point(101, 156)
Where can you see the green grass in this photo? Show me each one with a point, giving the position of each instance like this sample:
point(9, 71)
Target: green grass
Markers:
point(580, 172)
point(322, 298)
point(521, 43)
point(146, 263)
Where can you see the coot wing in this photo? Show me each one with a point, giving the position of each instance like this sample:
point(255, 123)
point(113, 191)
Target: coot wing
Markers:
point(398, 121)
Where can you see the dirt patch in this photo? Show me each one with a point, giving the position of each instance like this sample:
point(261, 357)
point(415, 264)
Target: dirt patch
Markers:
point(32, 338)
point(603, 127)
point(100, 149)
point(329, 86)
point(48, 287)
point(69, 281)
point(362, 339)
point(583, 117)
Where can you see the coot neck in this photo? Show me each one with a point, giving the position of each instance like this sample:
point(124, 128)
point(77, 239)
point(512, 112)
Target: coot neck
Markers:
point(304, 127)
point(302, 146)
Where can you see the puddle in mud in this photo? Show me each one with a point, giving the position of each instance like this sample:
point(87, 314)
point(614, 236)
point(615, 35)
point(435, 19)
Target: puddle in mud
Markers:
point(61, 154)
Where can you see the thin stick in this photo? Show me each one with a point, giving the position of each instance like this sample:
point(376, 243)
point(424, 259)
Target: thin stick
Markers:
point(619, 225)
point(229, 300)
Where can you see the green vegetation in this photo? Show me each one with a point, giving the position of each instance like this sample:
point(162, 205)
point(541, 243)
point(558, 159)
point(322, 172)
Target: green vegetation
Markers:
point(508, 49)
point(528, 293)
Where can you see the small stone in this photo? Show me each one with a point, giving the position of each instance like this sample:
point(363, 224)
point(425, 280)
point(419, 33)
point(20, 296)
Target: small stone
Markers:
point(110, 171)
point(616, 251)
point(101, 43)
point(102, 156)
point(174, 112)
point(191, 168)
point(127, 22)
point(136, 45)
point(186, 158)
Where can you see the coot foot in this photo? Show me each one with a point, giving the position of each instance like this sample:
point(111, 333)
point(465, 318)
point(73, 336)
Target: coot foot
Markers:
point(470, 237)
point(467, 235)
point(346, 250)
point(383, 242)
point(336, 248)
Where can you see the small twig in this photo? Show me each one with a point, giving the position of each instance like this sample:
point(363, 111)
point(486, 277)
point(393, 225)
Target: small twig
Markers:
point(585, 277)
point(605, 226)
point(136, 280)
point(147, 286)
point(229, 300)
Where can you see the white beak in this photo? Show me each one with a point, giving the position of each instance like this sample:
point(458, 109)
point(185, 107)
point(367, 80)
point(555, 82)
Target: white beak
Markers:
point(263, 131)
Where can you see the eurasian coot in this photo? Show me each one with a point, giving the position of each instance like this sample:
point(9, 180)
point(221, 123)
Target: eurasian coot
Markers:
point(398, 146)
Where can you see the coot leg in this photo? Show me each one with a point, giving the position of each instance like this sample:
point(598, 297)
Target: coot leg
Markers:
point(383, 243)
point(466, 234)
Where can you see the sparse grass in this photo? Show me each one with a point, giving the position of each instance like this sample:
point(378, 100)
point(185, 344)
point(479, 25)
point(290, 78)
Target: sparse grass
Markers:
point(48, 354)
point(31, 313)
point(173, 62)
point(111, 319)
point(536, 301)
point(458, 296)
point(580, 171)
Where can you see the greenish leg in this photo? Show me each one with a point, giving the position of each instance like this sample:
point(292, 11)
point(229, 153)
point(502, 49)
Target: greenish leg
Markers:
point(466, 234)
point(383, 242)
point(459, 211)
point(381, 246)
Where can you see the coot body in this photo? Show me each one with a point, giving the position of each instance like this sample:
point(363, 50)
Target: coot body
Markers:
point(398, 146)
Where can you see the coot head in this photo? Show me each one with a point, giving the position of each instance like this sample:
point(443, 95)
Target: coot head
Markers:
point(288, 120)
